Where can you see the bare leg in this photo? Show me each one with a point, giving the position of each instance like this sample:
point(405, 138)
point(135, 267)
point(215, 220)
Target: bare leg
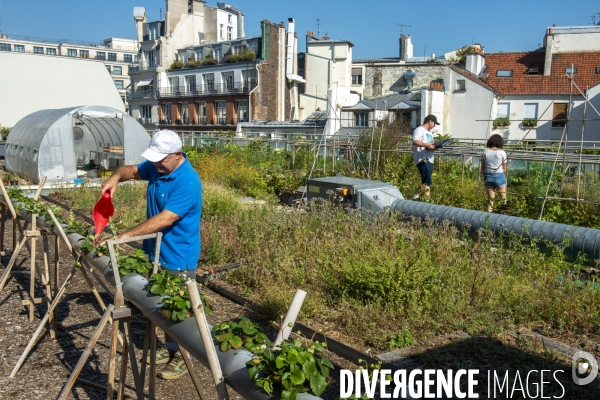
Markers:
point(427, 190)
point(502, 193)
point(491, 195)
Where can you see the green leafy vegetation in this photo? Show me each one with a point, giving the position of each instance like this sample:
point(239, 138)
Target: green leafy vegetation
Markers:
point(240, 333)
point(171, 287)
point(500, 122)
point(293, 368)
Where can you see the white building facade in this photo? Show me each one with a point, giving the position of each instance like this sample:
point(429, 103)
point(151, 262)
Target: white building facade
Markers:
point(116, 54)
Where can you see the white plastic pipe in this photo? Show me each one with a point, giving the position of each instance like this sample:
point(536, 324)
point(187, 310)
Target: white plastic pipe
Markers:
point(290, 317)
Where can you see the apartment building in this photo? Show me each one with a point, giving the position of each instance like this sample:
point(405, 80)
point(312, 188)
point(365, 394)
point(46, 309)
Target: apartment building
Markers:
point(186, 24)
point(198, 72)
point(116, 54)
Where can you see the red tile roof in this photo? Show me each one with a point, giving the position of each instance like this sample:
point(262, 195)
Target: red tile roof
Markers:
point(557, 83)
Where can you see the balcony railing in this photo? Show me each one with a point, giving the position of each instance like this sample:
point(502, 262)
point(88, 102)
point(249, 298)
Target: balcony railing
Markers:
point(208, 90)
point(197, 121)
point(145, 120)
point(142, 66)
point(141, 94)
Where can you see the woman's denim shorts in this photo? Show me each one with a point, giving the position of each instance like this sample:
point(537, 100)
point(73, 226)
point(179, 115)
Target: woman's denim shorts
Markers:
point(494, 180)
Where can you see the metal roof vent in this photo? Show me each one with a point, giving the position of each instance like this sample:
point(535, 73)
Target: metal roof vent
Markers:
point(409, 75)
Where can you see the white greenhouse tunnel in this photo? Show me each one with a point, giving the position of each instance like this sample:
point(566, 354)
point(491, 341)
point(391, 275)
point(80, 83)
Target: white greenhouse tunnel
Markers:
point(53, 143)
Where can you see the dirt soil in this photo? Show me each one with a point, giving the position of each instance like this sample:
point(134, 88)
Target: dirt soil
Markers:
point(47, 368)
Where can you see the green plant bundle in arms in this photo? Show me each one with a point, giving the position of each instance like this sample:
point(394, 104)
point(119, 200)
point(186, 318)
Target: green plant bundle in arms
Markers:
point(293, 368)
point(171, 287)
point(242, 332)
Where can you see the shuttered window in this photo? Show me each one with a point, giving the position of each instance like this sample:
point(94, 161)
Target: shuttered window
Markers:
point(357, 76)
point(559, 115)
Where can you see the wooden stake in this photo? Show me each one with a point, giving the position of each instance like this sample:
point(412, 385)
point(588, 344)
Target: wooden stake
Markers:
point(211, 353)
point(86, 353)
point(188, 363)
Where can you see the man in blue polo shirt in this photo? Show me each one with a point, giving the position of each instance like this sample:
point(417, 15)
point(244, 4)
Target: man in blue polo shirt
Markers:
point(173, 207)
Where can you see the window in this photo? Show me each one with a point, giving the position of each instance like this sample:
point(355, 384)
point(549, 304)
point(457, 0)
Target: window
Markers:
point(127, 58)
point(241, 108)
point(100, 55)
point(5, 47)
point(108, 68)
point(209, 81)
point(221, 31)
point(50, 51)
point(149, 55)
point(506, 73)
point(19, 48)
point(84, 54)
point(72, 52)
point(229, 18)
point(361, 119)
point(182, 108)
point(136, 58)
point(190, 83)
point(228, 80)
point(117, 70)
point(221, 112)
point(201, 112)
point(530, 110)
point(112, 56)
point(119, 84)
point(559, 115)
point(460, 85)
point(38, 50)
point(166, 111)
point(357, 76)
point(229, 32)
point(571, 70)
point(217, 54)
point(146, 112)
point(174, 84)
point(503, 110)
point(598, 70)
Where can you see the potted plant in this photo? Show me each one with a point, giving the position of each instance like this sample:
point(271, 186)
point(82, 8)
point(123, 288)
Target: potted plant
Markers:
point(177, 64)
point(529, 122)
point(501, 122)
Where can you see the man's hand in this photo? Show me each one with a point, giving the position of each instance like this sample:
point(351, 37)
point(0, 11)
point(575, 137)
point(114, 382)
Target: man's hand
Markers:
point(110, 185)
point(430, 147)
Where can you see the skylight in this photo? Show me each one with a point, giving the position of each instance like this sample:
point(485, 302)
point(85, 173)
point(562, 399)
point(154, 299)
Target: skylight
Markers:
point(504, 73)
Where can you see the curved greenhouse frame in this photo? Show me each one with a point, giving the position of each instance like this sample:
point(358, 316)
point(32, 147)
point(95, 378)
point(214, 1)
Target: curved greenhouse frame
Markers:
point(53, 143)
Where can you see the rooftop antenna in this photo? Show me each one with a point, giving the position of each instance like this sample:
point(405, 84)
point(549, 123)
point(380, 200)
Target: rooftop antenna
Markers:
point(160, 14)
point(593, 17)
point(401, 26)
point(318, 28)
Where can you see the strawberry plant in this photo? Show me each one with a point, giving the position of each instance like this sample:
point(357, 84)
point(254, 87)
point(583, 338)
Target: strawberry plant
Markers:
point(242, 332)
point(293, 368)
point(171, 287)
point(136, 262)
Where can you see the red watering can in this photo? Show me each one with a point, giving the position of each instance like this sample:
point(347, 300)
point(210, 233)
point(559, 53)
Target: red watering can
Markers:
point(103, 210)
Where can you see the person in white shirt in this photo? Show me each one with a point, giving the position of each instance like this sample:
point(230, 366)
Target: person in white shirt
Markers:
point(423, 153)
point(493, 165)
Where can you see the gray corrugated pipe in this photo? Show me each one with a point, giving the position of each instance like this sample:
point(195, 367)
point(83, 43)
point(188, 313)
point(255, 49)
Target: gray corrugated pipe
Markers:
point(583, 240)
point(233, 363)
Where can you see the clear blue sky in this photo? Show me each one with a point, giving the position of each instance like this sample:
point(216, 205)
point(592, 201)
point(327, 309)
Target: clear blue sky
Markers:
point(438, 26)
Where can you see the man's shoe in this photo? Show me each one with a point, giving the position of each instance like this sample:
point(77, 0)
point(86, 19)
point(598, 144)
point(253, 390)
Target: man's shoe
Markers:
point(162, 354)
point(174, 369)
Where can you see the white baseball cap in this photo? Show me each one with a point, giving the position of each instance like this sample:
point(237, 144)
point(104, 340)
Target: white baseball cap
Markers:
point(163, 143)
